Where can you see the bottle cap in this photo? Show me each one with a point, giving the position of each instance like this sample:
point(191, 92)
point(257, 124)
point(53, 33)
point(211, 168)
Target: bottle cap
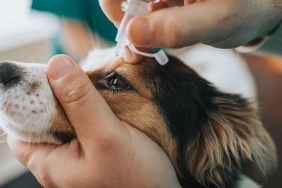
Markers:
point(134, 8)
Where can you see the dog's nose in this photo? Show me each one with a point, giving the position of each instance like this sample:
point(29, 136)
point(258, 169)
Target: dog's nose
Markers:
point(9, 74)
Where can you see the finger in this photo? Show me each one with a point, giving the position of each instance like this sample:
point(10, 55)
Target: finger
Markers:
point(26, 152)
point(112, 9)
point(130, 57)
point(87, 111)
point(33, 157)
point(175, 26)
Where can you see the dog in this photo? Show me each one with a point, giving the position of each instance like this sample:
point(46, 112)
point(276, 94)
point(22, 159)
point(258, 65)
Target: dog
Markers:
point(211, 137)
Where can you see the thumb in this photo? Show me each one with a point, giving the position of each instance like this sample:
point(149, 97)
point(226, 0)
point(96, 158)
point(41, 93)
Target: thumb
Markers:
point(175, 26)
point(87, 111)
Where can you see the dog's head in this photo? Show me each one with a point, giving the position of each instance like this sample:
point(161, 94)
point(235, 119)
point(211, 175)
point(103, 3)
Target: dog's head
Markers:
point(209, 136)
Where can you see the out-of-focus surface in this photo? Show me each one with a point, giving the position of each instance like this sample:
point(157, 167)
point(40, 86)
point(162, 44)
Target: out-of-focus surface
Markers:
point(267, 72)
point(24, 36)
point(9, 167)
point(226, 69)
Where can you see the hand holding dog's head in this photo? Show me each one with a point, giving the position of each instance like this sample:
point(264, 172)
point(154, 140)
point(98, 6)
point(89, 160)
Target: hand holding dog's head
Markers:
point(105, 145)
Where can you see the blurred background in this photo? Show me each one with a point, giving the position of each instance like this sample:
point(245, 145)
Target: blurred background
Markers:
point(34, 36)
point(24, 36)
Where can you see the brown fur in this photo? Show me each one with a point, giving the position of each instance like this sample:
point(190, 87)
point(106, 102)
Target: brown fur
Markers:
point(235, 136)
point(226, 136)
point(137, 108)
point(61, 127)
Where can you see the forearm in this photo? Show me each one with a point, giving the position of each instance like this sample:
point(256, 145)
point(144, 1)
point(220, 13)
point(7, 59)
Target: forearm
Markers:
point(77, 38)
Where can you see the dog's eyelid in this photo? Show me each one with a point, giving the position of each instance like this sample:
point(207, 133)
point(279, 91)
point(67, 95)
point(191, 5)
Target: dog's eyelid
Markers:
point(111, 74)
point(117, 83)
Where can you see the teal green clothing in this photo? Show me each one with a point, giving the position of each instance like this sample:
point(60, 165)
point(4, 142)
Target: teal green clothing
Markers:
point(273, 45)
point(87, 11)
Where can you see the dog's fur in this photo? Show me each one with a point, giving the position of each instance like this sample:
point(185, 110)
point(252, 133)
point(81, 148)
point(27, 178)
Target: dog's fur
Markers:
point(210, 137)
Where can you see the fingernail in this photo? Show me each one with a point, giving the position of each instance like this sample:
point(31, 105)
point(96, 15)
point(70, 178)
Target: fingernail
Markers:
point(130, 57)
point(127, 55)
point(140, 32)
point(61, 66)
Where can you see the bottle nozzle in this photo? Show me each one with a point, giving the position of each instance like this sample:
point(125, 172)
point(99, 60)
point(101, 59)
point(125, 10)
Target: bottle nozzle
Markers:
point(134, 8)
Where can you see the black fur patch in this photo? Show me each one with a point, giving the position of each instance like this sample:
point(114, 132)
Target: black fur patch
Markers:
point(64, 137)
point(184, 99)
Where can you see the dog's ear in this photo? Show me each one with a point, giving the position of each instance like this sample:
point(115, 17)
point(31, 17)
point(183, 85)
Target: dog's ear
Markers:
point(232, 140)
point(217, 135)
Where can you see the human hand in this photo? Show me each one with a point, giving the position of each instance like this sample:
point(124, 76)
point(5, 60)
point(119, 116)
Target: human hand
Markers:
point(219, 23)
point(107, 151)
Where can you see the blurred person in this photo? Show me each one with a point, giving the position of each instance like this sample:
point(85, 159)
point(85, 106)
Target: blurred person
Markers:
point(83, 26)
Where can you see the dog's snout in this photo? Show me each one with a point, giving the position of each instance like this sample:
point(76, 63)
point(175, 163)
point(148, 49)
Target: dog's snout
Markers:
point(9, 74)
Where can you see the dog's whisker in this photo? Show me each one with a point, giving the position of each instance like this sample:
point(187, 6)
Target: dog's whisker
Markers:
point(28, 56)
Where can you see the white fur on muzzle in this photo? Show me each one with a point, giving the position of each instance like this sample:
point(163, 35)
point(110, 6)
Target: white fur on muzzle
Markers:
point(27, 103)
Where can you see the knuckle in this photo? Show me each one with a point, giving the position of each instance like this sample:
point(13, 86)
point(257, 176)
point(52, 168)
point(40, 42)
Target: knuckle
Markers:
point(170, 34)
point(175, 34)
point(106, 142)
point(76, 93)
point(176, 38)
point(109, 141)
point(31, 162)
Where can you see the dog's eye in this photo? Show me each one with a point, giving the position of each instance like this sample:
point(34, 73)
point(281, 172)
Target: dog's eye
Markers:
point(117, 83)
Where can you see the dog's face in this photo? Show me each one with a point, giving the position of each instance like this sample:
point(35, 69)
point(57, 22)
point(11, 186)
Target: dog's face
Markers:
point(209, 136)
